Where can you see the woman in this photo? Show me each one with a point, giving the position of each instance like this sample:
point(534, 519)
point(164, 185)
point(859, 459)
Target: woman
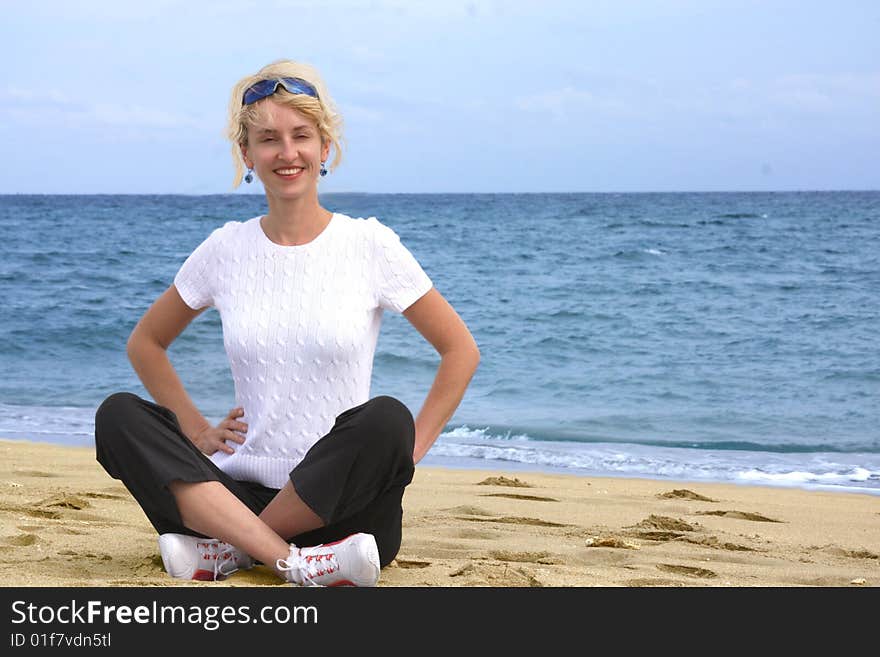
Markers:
point(307, 473)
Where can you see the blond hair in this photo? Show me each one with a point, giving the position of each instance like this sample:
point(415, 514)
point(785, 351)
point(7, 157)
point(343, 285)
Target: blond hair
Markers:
point(321, 110)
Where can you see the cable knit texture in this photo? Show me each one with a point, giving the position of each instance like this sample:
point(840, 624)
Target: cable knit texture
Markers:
point(300, 325)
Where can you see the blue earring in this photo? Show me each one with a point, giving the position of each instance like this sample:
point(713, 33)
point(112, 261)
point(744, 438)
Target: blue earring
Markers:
point(249, 178)
point(323, 170)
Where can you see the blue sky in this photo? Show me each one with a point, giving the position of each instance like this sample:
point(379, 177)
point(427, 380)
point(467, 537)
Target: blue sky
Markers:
point(101, 96)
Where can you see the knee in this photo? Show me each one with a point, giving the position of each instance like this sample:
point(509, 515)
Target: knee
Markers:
point(393, 418)
point(113, 411)
point(392, 411)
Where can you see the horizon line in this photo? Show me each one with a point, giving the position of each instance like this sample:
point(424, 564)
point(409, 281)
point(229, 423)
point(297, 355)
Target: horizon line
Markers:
point(342, 193)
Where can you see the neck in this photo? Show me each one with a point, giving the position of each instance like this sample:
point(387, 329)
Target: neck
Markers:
point(291, 222)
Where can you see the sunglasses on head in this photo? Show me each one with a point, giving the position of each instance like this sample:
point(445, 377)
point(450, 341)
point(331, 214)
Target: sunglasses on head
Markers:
point(265, 88)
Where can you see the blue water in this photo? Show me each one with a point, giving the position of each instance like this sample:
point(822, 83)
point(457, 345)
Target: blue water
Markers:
point(706, 337)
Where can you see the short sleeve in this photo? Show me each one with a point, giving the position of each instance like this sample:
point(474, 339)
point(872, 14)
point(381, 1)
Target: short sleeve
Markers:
point(196, 277)
point(401, 281)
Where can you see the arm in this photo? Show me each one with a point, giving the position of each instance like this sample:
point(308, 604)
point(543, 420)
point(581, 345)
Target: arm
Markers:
point(440, 325)
point(147, 350)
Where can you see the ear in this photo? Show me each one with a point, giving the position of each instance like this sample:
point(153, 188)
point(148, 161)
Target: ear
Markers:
point(244, 156)
point(325, 149)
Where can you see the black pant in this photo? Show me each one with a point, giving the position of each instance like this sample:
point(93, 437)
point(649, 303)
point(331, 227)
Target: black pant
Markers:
point(353, 478)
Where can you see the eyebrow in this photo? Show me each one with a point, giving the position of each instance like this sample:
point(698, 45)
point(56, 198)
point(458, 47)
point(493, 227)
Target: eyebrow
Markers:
point(273, 131)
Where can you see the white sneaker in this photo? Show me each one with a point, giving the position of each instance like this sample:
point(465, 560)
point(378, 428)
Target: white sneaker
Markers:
point(353, 561)
point(206, 559)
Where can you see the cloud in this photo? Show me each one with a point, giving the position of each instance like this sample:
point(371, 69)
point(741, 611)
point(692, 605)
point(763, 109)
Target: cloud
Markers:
point(361, 113)
point(823, 94)
point(802, 95)
point(32, 106)
point(439, 9)
point(102, 11)
point(17, 97)
point(370, 54)
point(566, 101)
point(142, 117)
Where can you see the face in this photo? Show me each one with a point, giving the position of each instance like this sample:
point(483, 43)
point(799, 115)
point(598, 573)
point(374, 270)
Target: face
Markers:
point(284, 149)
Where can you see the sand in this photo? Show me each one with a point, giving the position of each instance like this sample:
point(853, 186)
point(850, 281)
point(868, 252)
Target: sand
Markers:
point(65, 522)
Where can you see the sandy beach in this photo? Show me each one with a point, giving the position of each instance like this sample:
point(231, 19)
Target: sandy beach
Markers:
point(65, 522)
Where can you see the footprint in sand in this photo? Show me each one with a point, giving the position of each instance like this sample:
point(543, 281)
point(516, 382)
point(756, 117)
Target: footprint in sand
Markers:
point(33, 513)
point(150, 566)
point(611, 542)
point(496, 575)
point(488, 516)
point(102, 496)
point(475, 533)
point(685, 494)
point(466, 569)
point(504, 481)
point(515, 520)
point(22, 540)
point(852, 554)
point(66, 502)
point(97, 520)
point(739, 515)
point(666, 523)
point(35, 473)
point(512, 496)
point(690, 571)
point(657, 535)
point(544, 558)
point(70, 531)
point(470, 510)
point(651, 581)
point(518, 577)
point(713, 542)
point(410, 563)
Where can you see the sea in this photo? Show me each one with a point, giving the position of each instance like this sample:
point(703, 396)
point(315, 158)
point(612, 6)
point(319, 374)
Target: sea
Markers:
point(697, 337)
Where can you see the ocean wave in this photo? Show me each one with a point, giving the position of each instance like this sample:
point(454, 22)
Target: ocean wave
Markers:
point(68, 425)
point(482, 448)
point(637, 254)
point(855, 475)
point(466, 432)
point(771, 447)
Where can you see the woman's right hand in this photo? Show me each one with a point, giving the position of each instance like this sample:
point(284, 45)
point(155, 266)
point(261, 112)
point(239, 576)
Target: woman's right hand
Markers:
point(211, 439)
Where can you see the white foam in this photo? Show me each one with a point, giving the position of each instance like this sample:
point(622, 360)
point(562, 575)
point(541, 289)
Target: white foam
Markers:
point(798, 476)
point(62, 424)
point(807, 470)
point(465, 432)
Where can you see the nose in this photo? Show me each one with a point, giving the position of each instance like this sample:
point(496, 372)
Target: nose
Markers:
point(289, 150)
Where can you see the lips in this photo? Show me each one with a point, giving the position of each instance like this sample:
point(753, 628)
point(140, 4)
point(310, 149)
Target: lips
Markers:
point(289, 173)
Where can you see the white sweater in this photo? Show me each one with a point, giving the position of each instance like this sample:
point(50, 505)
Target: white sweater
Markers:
point(300, 325)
